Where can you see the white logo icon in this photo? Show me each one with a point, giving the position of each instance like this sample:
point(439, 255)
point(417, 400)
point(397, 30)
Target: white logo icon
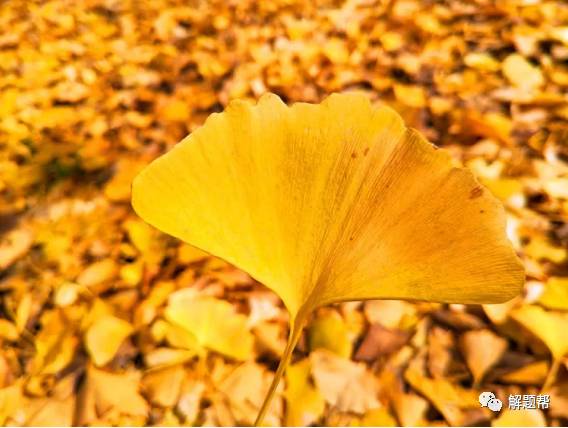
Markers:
point(488, 399)
point(495, 404)
point(484, 398)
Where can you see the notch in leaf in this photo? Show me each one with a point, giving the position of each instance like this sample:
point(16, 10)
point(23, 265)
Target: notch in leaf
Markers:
point(331, 202)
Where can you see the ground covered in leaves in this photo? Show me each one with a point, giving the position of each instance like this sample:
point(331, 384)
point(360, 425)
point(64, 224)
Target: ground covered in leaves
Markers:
point(103, 320)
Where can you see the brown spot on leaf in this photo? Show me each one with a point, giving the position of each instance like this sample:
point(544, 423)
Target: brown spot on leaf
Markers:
point(476, 192)
point(353, 155)
point(366, 151)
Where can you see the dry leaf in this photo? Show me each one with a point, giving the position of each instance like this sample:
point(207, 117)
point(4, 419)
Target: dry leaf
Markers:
point(522, 73)
point(550, 327)
point(163, 386)
point(482, 350)
point(97, 404)
point(104, 337)
point(344, 384)
point(520, 418)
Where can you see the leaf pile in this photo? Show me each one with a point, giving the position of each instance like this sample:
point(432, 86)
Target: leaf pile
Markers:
point(94, 300)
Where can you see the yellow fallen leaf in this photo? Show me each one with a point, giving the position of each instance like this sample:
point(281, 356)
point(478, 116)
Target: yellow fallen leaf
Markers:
point(531, 374)
point(164, 357)
point(244, 388)
point(557, 187)
point(147, 240)
point(505, 188)
point(377, 418)
point(132, 273)
point(411, 409)
point(163, 386)
point(176, 336)
point(540, 248)
point(451, 400)
point(13, 246)
point(98, 273)
point(104, 337)
point(481, 61)
point(57, 409)
point(148, 308)
point(550, 327)
point(176, 110)
point(344, 384)
point(482, 349)
point(8, 330)
point(55, 344)
point(189, 254)
point(304, 402)
point(330, 332)
point(118, 187)
point(522, 73)
point(555, 295)
point(214, 323)
point(319, 184)
point(412, 96)
point(520, 418)
point(336, 51)
point(10, 402)
point(97, 399)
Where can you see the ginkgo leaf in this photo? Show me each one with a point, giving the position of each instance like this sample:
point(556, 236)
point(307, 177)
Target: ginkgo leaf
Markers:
point(330, 332)
point(104, 337)
point(331, 202)
point(550, 327)
point(555, 294)
point(482, 349)
point(304, 402)
point(214, 324)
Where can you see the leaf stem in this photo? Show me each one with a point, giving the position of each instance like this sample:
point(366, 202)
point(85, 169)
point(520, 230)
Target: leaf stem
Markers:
point(552, 372)
point(293, 338)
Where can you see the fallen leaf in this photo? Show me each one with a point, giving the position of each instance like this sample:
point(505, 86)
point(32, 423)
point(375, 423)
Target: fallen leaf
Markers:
point(450, 400)
point(104, 337)
point(344, 384)
point(482, 350)
point(214, 323)
point(555, 295)
point(377, 418)
point(410, 409)
point(520, 418)
point(98, 273)
point(380, 341)
point(522, 73)
point(550, 327)
point(531, 374)
point(304, 402)
point(163, 386)
point(97, 402)
point(13, 246)
point(329, 331)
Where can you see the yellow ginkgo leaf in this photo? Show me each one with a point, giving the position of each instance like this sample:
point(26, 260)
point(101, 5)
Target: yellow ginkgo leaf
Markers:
point(555, 294)
point(304, 402)
point(550, 327)
point(331, 202)
point(104, 337)
point(213, 323)
point(330, 332)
